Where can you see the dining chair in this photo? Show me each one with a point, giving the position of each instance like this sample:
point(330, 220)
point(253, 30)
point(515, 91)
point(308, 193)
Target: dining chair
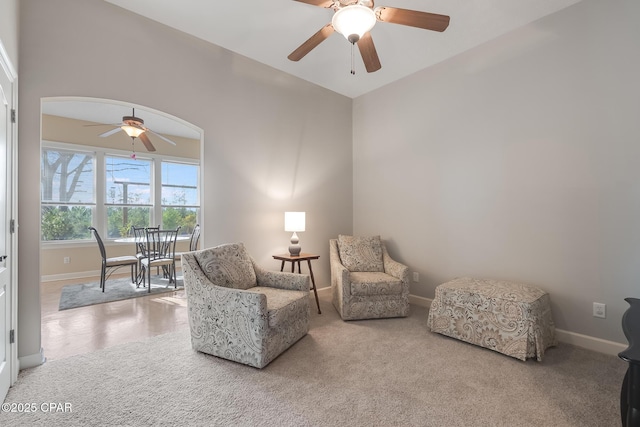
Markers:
point(109, 265)
point(193, 242)
point(140, 238)
point(159, 252)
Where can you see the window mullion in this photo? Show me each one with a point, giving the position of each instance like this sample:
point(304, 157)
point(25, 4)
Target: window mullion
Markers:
point(100, 217)
point(157, 191)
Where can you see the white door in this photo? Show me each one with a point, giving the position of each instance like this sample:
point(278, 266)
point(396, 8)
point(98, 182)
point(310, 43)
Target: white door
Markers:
point(6, 357)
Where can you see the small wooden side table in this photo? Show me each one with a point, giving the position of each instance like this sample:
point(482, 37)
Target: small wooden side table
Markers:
point(296, 259)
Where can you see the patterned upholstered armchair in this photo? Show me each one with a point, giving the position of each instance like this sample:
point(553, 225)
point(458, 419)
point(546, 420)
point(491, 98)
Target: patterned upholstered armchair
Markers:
point(239, 311)
point(365, 282)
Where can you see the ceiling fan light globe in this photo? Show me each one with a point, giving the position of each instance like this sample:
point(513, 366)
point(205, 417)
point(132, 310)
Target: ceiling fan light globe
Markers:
point(353, 21)
point(132, 131)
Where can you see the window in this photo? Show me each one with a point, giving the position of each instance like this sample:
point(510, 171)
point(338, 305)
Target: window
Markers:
point(128, 197)
point(67, 193)
point(180, 196)
point(112, 192)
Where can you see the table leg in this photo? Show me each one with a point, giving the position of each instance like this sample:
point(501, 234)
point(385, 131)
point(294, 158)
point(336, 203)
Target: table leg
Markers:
point(313, 284)
point(293, 266)
point(282, 266)
point(630, 402)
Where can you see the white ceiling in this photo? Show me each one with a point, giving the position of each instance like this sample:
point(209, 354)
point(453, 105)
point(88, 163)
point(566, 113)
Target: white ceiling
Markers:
point(268, 31)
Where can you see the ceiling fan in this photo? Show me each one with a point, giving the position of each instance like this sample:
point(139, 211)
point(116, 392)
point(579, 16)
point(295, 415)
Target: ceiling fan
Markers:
point(135, 128)
point(355, 18)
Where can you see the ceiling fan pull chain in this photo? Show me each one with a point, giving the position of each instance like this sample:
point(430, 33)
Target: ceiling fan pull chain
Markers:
point(353, 68)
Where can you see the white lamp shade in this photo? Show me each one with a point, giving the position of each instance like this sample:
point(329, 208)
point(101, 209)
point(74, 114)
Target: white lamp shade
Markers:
point(294, 221)
point(132, 131)
point(354, 19)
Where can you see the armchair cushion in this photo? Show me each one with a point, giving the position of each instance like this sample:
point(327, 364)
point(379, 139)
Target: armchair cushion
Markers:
point(374, 283)
point(361, 253)
point(229, 266)
point(280, 305)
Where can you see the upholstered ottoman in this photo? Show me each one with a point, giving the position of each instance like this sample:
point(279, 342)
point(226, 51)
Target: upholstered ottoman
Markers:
point(510, 318)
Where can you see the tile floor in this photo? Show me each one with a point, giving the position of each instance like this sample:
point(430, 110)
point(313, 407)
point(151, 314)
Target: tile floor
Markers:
point(86, 329)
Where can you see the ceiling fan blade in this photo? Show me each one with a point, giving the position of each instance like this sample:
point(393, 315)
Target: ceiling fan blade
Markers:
point(320, 3)
point(109, 132)
point(311, 43)
point(161, 137)
point(147, 143)
point(369, 54)
point(412, 18)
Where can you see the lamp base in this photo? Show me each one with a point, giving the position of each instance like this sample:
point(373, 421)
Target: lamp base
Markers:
point(294, 248)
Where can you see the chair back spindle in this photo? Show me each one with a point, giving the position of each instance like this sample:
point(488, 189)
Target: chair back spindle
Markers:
point(195, 236)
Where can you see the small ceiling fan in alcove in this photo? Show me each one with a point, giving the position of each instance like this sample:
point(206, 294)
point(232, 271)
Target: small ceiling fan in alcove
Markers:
point(134, 127)
point(354, 19)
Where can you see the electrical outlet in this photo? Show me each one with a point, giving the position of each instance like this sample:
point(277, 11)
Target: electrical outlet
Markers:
point(416, 276)
point(67, 260)
point(599, 310)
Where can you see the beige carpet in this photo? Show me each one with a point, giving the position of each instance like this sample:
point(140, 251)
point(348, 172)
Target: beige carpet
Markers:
point(389, 372)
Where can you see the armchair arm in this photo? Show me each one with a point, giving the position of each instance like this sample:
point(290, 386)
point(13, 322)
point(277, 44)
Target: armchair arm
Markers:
point(339, 273)
point(396, 269)
point(281, 279)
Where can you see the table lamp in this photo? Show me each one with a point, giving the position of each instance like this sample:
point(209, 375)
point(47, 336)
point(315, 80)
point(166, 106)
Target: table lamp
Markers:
point(294, 221)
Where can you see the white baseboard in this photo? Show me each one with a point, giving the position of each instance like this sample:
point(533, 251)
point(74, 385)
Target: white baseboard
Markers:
point(420, 301)
point(585, 341)
point(590, 343)
point(66, 276)
point(32, 360)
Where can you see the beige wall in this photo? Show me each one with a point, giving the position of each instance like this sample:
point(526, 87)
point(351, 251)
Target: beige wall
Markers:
point(272, 142)
point(516, 160)
point(84, 257)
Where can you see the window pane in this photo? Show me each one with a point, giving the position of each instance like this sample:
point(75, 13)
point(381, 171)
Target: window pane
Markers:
point(66, 176)
point(179, 184)
point(65, 222)
point(120, 220)
point(185, 218)
point(128, 181)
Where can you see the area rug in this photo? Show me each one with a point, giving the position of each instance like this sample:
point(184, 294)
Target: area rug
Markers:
point(74, 296)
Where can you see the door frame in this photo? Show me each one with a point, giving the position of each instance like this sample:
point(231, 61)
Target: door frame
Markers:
point(12, 211)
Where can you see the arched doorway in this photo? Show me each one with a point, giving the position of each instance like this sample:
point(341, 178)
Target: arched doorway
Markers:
point(79, 189)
